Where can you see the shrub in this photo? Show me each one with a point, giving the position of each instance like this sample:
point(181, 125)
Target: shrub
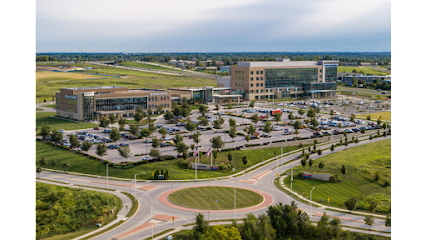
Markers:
point(169, 158)
point(183, 164)
point(376, 177)
point(93, 157)
point(387, 183)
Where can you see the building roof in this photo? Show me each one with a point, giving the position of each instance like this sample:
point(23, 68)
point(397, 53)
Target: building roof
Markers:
point(286, 63)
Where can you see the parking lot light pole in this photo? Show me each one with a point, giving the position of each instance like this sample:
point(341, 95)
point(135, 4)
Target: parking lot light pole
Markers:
point(135, 183)
point(107, 172)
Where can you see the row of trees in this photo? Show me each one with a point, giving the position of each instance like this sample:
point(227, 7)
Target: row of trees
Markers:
point(280, 222)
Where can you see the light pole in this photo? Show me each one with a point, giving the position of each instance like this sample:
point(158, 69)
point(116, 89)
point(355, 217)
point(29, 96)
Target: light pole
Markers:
point(135, 183)
point(291, 181)
point(235, 203)
point(152, 227)
point(310, 203)
point(107, 172)
point(282, 155)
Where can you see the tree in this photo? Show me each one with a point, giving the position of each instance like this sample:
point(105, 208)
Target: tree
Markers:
point(371, 138)
point(368, 117)
point(319, 152)
point(56, 136)
point(104, 122)
point(321, 165)
point(379, 121)
point(310, 162)
point(339, 125)
point(168, 115)
point(335, 226)
point(190, 126)
point(277, 117)
point(331, 113)
point(388, 221)
point(233, 132)
point(220, 232)
point(122, 124)
point(43, 161)
point(311, 113)
point(155, 153)
point(352, 118)
point(232, 122)
point(332, 148)
point(217, 123)
point(145, 132)
point(203, 122)
point(159, 108)
point(351, 203)
point(44, 130)
point(74, 141)
point(66, 165)
point(217, 108)
point(112, 118)
point(301, 112)
point(114, 135)
point(303, 161)
point(196, 137)
point(217, 143)
point(297, 125)
point(247, 138)
point(203, 109)
point(54, 163)
point(245, 160)
point(252, 103)
point(255, 118)
point(201, 224)
point(181, 147)
point(373, 205)
point(177, 139)
point(369, 220)
point(155, 142)
point(163, 132)
point(133, 129)
point(125, 152)
point(343, 170)
point(86, 146)
point(101, 150)
point(214, 155)
point(230, 156)
point(251, 130)
point(267, 128)
point(291, 116)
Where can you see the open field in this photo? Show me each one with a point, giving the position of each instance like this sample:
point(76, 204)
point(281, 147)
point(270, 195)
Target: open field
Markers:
point(362, 163)
point(386, 116)
point(205, 198)
point(44, 76)
point(83, 164)
point(45, 117)
point(131, 79)
point(147, 66)
point(365, 70)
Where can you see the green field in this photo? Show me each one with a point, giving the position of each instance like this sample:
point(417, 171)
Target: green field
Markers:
point(83, 164)
point(65, 213)
point(132, 79)
point(364, 70)
point(205, 198)
point(50, 106)
point(362, 163)
point(39, 109)
point(386, 116)
point(54, 123)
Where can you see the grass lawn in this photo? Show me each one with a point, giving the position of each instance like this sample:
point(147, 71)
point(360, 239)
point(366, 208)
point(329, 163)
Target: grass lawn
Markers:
point(147, 66)
point(45, 117)
point(134, 79)
point(83, 164)
point(386, 116)
point(45, 76)
point(205, 198)
point(50, 106)
point(364, 70)
point(39, 109)
point(362, 163)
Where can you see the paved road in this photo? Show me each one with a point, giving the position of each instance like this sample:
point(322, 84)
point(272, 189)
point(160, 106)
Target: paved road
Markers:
point(150, 198)
point(46, 109)
point(364, 90)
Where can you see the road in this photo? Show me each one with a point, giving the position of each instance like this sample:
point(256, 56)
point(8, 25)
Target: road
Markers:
point(138, 226)
point(364, 90)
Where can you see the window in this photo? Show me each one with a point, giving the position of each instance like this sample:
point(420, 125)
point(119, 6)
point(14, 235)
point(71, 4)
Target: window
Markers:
point(257, 72)
point(251, 91)
point(261, 72)
point(243, 85)
point(320, 70)
point(251, 79)
point(320, 76)
point(251, 85)
point(261, 78)
point(257, 84)
point(239, 71)
point(257, 79)
point(251, 72)
point(236, 72)
point(236, 84)
point(243, 78)
point(261, 84)
point(243, 72)
point(261, 91)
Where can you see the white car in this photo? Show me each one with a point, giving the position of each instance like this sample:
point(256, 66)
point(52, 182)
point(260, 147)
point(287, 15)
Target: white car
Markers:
point(66, 144)
point(62, 130)
point(97, 141)
point(148, 158)
point(166, 139)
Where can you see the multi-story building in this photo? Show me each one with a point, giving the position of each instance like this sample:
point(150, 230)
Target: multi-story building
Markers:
point(285, 79)
point(89, 103)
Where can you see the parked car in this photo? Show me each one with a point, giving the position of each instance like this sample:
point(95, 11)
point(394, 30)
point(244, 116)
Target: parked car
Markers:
point(355, 129)
point(326, 133)
point(148, 158)
point(148, 141)
point(348, 130)
point(97, 141)
point(107, 131)
point(106, 140)
point(166, 139)
point(62, 130)
point(264, 135)
point(112, 147)
point(165, 144)
point(337, 131)
point(96, 128)
point(123, 144)
point(383, 92)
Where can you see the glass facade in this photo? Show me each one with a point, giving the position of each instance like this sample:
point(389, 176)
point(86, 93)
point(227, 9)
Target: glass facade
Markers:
point(120, 104)
point(320, 86)
point(287, 77)
point(88, 107)
point(330, 73)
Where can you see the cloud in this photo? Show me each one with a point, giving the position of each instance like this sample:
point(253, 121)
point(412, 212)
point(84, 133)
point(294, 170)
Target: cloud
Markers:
point(249, 25)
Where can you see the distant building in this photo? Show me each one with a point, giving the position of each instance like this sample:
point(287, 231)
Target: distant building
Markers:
point(366, 78)
point(349, 64)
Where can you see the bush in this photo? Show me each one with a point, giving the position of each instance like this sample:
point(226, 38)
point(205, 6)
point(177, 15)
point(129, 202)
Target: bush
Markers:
point(228, 149)
point(387, 183)
point(183, 164)
point(376, 177)
point(169, 157)
point(93, 157)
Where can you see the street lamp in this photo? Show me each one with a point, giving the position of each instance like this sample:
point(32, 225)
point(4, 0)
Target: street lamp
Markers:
point(310, 203)
point(135, 182)
point(107, 171)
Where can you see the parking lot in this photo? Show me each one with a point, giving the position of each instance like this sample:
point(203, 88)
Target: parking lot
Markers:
point(140, 147)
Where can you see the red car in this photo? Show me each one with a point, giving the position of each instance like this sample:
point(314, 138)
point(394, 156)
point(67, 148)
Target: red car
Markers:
point(96, 128)
point(262, 116)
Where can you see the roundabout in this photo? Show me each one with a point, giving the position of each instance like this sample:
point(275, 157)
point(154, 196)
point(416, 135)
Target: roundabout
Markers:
point(189, 199)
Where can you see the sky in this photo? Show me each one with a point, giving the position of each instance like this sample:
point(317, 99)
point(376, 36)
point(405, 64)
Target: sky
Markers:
point(213, 26)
